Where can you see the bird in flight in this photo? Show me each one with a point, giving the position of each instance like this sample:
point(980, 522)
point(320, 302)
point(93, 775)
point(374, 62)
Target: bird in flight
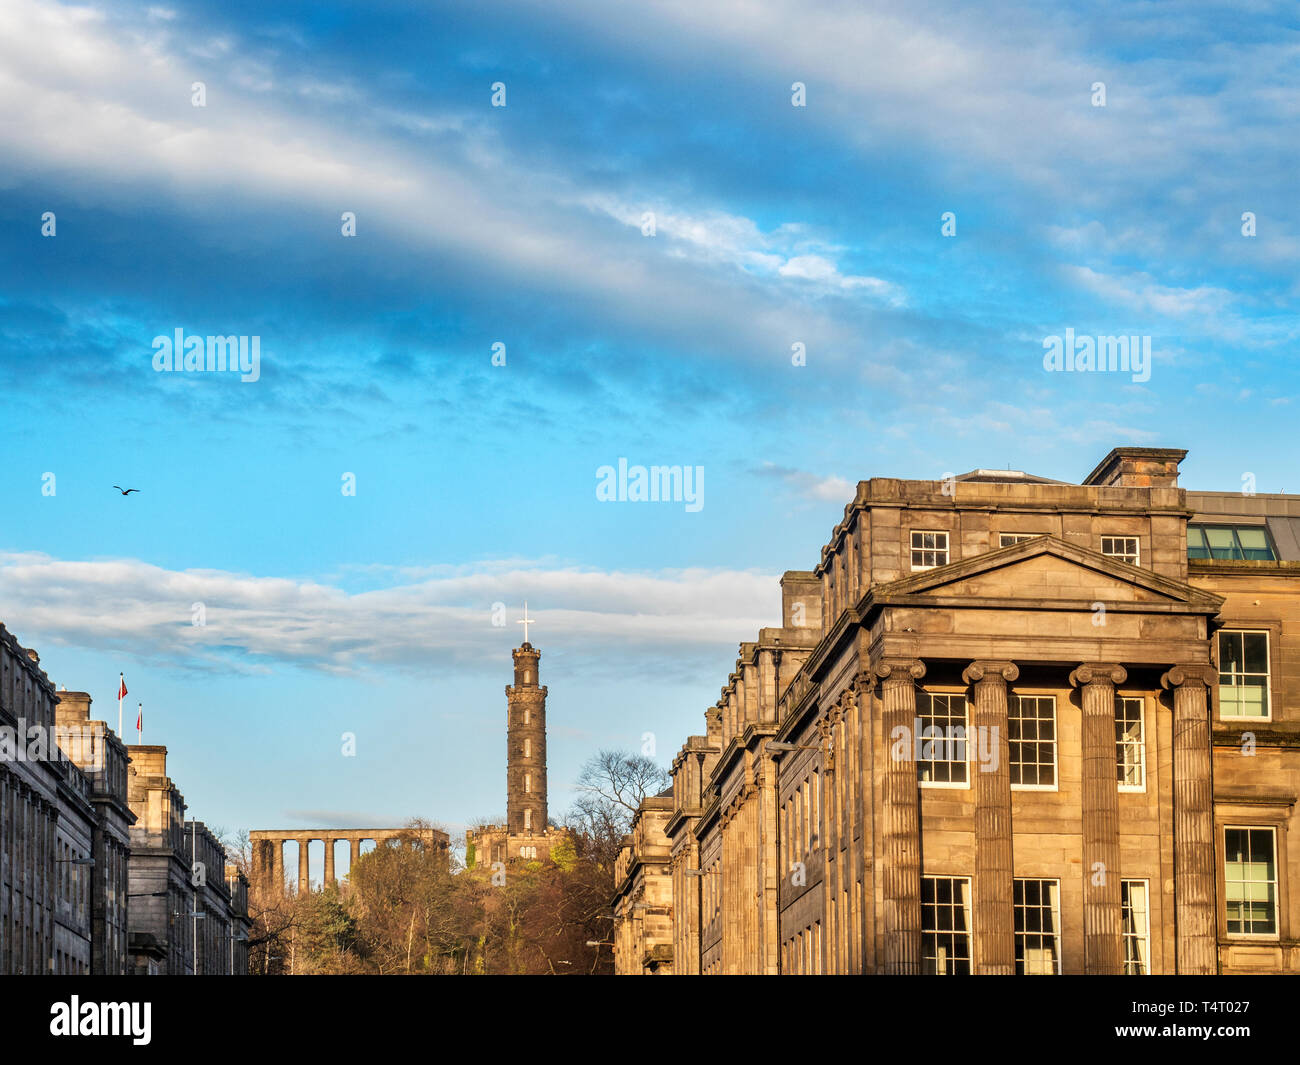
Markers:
point(125, 491)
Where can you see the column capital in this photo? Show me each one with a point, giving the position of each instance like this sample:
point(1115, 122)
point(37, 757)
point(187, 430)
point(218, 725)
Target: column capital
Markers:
point(984, 669)
point(899, 669)
point(1098, 673)
point(1177, 676)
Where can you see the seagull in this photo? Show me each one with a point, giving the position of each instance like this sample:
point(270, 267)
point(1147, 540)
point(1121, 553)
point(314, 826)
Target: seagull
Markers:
point(125, 491)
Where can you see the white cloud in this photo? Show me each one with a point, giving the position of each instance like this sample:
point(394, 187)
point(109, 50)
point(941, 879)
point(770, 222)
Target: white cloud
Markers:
point(810, 485)
point(1141, 293)
point(823, 271)
point(255, 623)
point(108, 109)
point(719, 237)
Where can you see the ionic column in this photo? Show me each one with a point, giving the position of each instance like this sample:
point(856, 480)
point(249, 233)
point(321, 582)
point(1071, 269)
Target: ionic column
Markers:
point(1103, 951)
point(329, 863)
point(277, 865)
point(994, 917)
point(1194, 873)
point(304, 882)
point(901, 835)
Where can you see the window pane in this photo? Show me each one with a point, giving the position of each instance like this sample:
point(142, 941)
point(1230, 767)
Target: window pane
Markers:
point(1222, 543)
point(1130, 752)
point(1031, 729)
point(1255, 648)
point(945, 925)
point(1135, 922)
point(1253, 540)
point(1250, 881)
point(1230, 652)
point(1255, 544)
point(1037, 928)
point(941, 758)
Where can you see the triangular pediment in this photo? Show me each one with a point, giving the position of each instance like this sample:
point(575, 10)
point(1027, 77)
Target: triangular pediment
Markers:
point(1046, 568)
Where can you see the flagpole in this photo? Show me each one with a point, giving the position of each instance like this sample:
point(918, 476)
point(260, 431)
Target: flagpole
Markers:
point(139, 725)
point(121, 683)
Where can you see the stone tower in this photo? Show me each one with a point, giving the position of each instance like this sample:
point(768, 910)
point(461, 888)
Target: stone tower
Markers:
point(526, 747)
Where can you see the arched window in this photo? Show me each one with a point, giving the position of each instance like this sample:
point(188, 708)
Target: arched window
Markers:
point(528, 783)
point(528, 819)
point(528, 748)
point(525, 715)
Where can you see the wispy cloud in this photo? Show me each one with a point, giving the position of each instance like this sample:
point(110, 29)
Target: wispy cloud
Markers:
point(259, 623)
point(810, 485)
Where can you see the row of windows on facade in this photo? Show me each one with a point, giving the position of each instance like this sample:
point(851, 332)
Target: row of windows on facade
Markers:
point(943, 753)
point(1250, 897)
point(66, 965)
point(929, 548)
point(1250, 900)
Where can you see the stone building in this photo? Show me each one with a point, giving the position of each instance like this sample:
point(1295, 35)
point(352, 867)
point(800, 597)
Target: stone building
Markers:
point(162, 899)
point(101, 756)
point(93, 877)
point(527, 833)
point(74, 847)
point(47, 829)
point(185, 914)
point(1008, 725)
point(241, 924)
point(220, 920)
point(643, 893)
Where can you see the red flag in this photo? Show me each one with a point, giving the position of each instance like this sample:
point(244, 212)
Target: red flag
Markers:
point(139, 718)
point(121, 692)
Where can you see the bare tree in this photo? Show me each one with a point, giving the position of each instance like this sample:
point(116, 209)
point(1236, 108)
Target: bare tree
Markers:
point(611, 785)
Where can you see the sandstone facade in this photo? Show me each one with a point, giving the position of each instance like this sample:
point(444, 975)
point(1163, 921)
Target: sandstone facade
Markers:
point(1008, 726)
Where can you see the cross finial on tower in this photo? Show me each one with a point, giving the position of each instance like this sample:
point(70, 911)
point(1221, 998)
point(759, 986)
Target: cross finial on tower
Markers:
point(525, 621)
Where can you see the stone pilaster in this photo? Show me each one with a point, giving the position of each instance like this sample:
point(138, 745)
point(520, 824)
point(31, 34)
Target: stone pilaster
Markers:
point(1194, 873)
point(994, 917)
point(832, 860)
point(901, 830)
point(1103, 948)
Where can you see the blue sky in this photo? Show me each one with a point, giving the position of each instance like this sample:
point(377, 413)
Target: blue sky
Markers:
point(523, 225)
